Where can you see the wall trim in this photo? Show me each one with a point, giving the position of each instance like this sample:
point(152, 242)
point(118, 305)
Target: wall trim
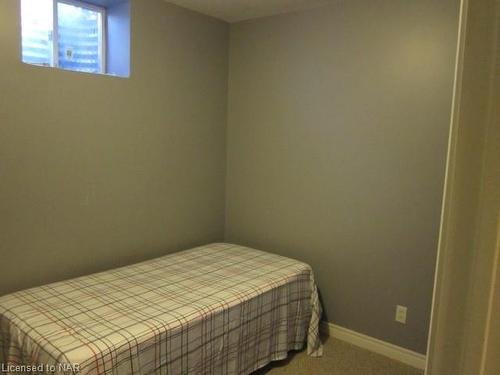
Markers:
point(374, 345)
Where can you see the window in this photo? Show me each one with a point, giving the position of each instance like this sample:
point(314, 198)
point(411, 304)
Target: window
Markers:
point(72, 35)
point(80, 37)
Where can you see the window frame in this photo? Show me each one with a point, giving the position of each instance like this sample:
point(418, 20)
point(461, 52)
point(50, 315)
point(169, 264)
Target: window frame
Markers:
point(54, 38)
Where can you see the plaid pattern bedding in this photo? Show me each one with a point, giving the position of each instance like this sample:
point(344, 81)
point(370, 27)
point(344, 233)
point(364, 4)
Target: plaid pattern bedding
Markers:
point(215, 309)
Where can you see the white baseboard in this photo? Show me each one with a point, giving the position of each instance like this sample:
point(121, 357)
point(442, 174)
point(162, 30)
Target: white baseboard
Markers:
point(392, 351)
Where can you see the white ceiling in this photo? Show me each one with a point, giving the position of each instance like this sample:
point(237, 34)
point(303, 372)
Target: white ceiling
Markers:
point(239, 10)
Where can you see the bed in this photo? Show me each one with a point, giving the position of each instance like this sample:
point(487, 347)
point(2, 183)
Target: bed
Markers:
point(214, 309)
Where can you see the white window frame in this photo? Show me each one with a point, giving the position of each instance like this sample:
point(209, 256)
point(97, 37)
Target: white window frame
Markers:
point(102, 37)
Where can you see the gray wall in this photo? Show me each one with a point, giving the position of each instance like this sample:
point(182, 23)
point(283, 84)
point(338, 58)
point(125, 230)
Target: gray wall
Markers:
point(98, 171)
point(337, 134)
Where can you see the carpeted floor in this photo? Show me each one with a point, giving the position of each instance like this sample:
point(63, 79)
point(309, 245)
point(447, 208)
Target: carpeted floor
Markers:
point(339, 358)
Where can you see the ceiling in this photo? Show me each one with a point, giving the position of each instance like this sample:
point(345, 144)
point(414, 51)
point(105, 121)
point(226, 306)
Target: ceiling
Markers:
point(239, 10)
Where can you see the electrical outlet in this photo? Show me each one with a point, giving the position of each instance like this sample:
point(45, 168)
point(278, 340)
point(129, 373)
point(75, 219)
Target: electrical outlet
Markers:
point(401, 314)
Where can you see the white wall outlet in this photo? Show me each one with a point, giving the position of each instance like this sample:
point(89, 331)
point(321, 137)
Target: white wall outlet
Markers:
point(401, 314)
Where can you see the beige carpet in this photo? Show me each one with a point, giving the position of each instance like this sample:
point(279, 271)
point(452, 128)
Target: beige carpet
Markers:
point(339, 358)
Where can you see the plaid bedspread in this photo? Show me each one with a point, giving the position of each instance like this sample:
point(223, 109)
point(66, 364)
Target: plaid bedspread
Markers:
point(215, 309)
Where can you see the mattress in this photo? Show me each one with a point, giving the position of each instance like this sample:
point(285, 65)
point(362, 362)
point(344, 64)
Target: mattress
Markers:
point(214, 309)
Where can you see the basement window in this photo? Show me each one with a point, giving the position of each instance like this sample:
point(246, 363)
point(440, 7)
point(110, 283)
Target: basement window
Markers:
point(91, 36)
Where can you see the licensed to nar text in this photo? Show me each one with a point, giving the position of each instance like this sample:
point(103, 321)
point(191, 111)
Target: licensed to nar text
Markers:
point(66, 368)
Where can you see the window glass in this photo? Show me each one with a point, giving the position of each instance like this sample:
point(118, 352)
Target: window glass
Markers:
point(79, 38)
point(36, 27)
